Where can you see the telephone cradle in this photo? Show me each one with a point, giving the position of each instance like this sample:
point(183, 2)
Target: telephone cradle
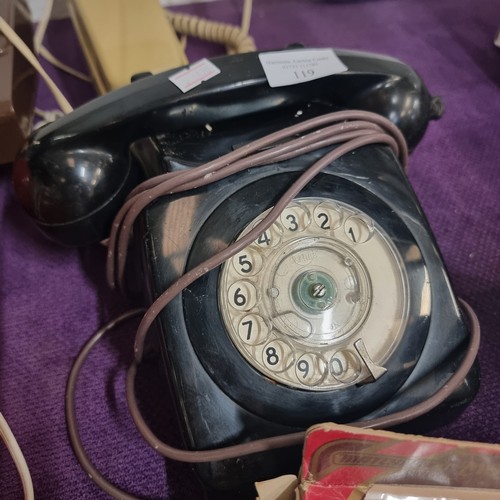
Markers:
point(339, 309)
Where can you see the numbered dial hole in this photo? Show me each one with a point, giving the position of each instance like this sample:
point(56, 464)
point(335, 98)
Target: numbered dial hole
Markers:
point(242, 295)
point(248, 262)
point(295, 218)
point(253, 329)
point(327, 216)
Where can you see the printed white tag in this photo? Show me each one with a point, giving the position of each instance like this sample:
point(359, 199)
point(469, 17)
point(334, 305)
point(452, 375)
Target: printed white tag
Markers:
point(290, 67)
point(197, 73)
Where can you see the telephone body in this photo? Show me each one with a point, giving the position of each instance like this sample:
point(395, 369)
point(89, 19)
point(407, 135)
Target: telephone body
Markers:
point(252, 349)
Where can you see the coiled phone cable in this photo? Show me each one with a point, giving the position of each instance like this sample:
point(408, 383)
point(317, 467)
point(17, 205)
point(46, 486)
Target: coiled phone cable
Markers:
point(349, 130)
point(236, 38)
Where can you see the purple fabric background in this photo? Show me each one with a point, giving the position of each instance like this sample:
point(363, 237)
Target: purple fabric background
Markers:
point(52, 298)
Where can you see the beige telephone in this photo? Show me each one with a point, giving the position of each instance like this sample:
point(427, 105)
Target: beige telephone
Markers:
point(123, 38)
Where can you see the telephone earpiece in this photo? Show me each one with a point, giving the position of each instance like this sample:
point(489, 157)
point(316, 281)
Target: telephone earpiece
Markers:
point(73, 192)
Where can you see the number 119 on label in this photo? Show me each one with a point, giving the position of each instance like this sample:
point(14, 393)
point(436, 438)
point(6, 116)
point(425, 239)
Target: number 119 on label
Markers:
point(303, 73)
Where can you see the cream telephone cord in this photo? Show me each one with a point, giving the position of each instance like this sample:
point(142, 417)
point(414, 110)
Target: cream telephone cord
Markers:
point(18, 43)
point(18, 458)
point(41, 50)
point(5, 432)
point(235, 38)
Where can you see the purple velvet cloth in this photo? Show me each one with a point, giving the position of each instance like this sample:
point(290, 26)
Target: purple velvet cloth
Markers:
point(53, 298)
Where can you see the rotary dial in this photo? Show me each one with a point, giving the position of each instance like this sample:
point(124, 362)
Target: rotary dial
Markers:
point(319, 301)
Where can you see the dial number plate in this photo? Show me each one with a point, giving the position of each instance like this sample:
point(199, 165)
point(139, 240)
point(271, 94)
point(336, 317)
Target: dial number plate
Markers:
point(319, 301)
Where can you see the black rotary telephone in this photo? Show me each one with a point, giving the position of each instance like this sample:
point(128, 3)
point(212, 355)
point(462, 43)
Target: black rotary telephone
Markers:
point(339, 310)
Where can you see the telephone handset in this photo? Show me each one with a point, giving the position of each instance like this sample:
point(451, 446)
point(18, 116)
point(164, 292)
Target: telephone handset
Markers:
point(341, 310)
point(79, 168)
